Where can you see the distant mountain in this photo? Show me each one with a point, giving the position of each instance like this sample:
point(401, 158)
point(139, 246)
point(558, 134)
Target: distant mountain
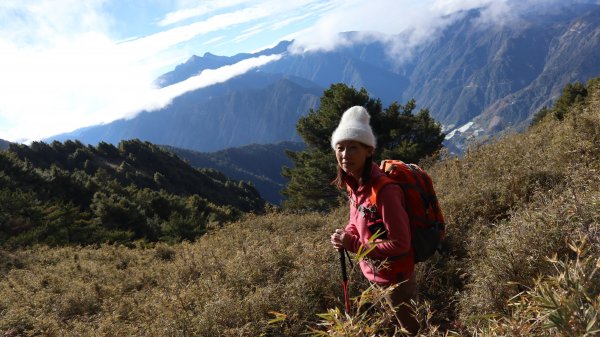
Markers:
point(484, 81)
point(256, 107)
point(477, 79)
point(4, 144)
point(573, 54)
point(195, 64)
point(259, 164)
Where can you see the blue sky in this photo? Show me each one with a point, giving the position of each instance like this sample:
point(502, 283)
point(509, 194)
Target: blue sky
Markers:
point(66, 64)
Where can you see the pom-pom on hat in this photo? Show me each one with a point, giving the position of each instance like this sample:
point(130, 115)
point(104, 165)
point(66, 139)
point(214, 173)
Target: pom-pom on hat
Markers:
point(354, 126)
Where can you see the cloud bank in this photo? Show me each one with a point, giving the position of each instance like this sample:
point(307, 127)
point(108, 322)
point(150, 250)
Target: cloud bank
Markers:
point(406, 24)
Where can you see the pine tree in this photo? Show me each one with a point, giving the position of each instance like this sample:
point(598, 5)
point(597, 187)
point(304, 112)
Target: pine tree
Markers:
point(572, 94)
point(400, 133)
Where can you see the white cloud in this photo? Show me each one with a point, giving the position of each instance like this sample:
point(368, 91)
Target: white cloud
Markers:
point(193, 12)
point(214, 40)
point(421, 19)
point(114, 100)
point(73, 83)
point(58, 76)
point(206, 78)
point(42, 22)
point(155, 43)
point(58, 65)
point(402, 24)
point(288, 21)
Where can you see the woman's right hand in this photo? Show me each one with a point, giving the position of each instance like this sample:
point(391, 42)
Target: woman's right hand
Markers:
point(337, 239)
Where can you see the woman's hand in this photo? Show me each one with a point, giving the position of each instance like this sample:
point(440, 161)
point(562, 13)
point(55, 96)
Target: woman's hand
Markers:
point(340, 239)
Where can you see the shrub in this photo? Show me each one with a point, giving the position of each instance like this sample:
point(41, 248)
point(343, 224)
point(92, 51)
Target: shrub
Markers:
point(565, 303)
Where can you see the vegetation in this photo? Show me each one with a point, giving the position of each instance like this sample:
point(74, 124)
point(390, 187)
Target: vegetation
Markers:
point(69, 193)
point(572, 94)
point(258, 163)
point(521, 259)
point(400, 133)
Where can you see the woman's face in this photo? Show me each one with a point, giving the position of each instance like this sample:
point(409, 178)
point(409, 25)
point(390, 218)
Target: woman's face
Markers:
point(351, 156)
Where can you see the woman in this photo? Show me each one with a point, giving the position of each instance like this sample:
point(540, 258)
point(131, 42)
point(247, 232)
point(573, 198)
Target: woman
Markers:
point(391, 261)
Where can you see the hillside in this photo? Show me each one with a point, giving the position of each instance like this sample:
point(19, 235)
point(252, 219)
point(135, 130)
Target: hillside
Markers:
point(4, 144)
point(63, 193)
point(520, 259)
point(259, 164)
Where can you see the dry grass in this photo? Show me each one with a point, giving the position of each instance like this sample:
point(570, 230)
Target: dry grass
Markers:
point(512, 203)
point(225, 284)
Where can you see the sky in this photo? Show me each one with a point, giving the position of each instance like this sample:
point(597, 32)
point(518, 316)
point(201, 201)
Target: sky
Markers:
point(67, 64)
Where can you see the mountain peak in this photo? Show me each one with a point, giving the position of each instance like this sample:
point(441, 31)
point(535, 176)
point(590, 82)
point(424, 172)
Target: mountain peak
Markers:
point(196, 64)
point(210, 55)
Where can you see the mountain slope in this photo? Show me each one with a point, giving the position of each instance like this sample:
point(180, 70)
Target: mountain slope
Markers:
point(572, 56)
point(259, 164)
point(361, 65)
point(495, 79)
point(218, 117)
point(195, 64)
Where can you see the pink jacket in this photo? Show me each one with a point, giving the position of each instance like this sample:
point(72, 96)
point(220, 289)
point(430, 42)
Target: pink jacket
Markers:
point(395, 248)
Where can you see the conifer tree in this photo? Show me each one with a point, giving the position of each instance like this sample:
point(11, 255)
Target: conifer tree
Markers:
point(572, 94)
point(400, 133)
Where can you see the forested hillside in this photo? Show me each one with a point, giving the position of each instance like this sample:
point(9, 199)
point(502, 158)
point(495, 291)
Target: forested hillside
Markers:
point(63, 193)
point(520, 258)
point(258, 163)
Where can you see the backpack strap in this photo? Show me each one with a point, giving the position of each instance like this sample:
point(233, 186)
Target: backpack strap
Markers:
point(378, 184)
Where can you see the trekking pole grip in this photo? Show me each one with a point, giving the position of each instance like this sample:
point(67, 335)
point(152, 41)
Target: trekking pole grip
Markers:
point(343, 265)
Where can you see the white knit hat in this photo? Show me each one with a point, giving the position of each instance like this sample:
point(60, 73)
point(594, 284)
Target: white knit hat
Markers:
point(354, 126)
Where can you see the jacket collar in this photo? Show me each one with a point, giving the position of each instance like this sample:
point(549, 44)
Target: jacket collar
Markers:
point(353, 184)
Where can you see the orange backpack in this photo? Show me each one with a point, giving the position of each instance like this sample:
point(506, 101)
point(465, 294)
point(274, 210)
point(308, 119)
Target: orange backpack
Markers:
point(427, 226)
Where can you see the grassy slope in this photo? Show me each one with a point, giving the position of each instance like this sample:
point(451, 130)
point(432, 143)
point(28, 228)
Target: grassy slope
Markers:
point(225, 283)
point(508, 205)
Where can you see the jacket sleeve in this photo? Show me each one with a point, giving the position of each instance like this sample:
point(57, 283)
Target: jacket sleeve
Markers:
point(390, 203)
point(351, 228)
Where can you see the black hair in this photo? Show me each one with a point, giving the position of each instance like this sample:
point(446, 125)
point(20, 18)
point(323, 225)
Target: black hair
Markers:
point(340, 179)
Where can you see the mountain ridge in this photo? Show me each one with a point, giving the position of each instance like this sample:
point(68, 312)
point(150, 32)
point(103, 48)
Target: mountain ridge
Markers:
point(189, 122)
point(70, 193)
point(259, 164)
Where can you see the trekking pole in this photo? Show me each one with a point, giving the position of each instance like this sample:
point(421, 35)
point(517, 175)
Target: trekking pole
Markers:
point(344, 281)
